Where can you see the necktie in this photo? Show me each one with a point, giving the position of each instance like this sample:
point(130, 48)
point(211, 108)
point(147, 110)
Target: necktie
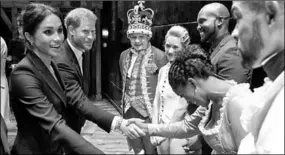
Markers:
point(84, 69)
point(82, 63)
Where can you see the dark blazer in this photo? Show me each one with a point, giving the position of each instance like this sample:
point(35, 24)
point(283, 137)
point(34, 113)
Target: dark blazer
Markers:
point(228, 61)
point(4, 145)
point(76, 91)
point(39, 107)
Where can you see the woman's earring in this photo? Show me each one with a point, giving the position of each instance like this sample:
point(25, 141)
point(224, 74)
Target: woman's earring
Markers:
point(31, 43)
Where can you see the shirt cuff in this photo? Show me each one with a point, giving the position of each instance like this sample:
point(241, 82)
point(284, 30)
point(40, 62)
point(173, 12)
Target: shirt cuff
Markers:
point(151, 129)
point(114, 122)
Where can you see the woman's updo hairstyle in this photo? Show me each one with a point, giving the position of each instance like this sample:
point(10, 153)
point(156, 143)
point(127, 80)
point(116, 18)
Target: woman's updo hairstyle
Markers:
point(34, 14)
point(193, 62)
point(180, 32)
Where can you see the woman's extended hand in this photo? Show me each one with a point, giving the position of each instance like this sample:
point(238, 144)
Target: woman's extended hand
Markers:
point(140, 123)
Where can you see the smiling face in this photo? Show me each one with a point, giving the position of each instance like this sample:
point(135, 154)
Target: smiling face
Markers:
point(139, 41)
point(84, 35)
point(206, 25)
point(172, 46)
point(259, 34)
point(49, 37)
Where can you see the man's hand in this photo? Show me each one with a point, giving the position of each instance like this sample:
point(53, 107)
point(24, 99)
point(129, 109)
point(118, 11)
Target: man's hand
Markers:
point(131, 130)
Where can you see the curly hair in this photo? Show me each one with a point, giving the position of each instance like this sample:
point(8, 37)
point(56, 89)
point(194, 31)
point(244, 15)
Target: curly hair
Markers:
point(192, 62)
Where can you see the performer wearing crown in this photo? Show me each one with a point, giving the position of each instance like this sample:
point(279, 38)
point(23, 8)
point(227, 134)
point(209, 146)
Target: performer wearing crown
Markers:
point(139, 67)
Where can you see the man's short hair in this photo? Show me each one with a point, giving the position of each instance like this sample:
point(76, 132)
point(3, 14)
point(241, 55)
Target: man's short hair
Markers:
point(74, 17)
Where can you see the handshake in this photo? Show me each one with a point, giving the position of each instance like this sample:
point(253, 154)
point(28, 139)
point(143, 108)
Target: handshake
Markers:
point(135, 128)
point(132, 128)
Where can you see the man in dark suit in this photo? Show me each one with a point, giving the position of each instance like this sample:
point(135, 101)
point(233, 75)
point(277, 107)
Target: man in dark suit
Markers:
point(213, 25)
point(80, 24)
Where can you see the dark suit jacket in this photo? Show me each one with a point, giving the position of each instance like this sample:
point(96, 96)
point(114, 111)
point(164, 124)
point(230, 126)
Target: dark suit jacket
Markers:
point(228, 61)
point(76, 91)
point(4, 145)
point(39, 107)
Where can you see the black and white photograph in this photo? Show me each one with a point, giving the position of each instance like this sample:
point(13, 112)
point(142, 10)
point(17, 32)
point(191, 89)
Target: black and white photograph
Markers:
point(142, 77)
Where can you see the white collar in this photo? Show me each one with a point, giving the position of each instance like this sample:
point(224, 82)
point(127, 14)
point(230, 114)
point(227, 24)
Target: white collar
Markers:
point(267, 59)
point(78, 53)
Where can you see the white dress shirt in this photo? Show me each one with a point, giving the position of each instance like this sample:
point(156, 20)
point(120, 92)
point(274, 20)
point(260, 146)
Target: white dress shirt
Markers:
point(78, 54)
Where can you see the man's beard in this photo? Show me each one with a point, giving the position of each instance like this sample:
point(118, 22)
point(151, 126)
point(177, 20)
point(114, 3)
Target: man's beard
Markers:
point(255, 46)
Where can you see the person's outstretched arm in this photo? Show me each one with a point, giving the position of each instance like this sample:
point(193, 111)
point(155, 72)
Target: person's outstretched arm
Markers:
point(183, 129)
point(28, 89)
point(80, 102)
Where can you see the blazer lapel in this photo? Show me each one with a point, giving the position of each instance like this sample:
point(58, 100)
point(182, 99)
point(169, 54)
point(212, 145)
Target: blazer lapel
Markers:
point(48, 77)
point(71, 56)
point(58, 76)
point(220, 45)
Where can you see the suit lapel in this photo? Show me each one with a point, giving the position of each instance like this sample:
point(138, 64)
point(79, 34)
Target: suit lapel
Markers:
point(125, 66)
point(220, 45)
point(71, 56)
point(47, 76)
point(127, 62)
point(60, 81)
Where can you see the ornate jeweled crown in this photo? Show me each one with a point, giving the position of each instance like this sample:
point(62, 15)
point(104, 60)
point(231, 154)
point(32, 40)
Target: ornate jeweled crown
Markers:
point(140, 19)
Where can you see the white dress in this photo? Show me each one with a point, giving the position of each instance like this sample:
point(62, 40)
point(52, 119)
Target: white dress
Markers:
point(165, 103)
point(5, 108)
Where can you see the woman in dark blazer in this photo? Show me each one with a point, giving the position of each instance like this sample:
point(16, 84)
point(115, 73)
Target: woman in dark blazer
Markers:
point(39, 92)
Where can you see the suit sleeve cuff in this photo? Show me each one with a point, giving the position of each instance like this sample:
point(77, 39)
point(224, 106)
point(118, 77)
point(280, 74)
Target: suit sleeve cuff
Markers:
point(114, 122)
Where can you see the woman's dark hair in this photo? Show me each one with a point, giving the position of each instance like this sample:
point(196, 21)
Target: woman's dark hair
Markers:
point(193, 62)
point(34, 14)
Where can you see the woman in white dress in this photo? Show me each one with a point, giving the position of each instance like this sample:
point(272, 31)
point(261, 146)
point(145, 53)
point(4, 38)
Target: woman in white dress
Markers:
point(167, 106)
point(5, 106)
point(193, 77)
